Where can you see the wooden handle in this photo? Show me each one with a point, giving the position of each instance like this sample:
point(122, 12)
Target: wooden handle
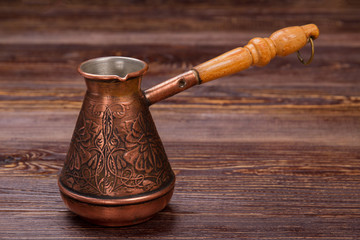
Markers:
point(259, 52)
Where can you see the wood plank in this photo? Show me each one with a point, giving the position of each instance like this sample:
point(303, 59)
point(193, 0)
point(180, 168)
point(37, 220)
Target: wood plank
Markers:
point(290, 195)
point(44, 15)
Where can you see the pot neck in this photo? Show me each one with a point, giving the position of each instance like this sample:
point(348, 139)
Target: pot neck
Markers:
point(114, 87)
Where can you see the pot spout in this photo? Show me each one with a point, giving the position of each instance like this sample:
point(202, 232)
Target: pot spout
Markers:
point(172, 86)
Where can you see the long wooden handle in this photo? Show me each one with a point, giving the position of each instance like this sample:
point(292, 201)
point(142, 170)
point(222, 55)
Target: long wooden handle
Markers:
point(259, 52)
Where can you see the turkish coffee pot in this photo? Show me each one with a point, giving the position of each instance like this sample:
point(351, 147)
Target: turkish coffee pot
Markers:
point(116, 172)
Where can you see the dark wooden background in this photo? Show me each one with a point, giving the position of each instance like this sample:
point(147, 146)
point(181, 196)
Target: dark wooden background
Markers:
point(268, 153)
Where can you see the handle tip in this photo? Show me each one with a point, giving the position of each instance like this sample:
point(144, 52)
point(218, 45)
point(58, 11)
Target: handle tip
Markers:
point(311, 30)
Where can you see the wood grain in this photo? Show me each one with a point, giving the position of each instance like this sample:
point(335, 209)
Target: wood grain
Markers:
point(268, 153)
point(258, 52)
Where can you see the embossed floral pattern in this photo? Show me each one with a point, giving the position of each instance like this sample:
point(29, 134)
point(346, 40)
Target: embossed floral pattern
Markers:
point(144, 146)
point(80, 141)
point(114, 157)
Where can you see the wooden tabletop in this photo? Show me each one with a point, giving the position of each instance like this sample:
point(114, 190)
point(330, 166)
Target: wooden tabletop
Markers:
point(268, 153)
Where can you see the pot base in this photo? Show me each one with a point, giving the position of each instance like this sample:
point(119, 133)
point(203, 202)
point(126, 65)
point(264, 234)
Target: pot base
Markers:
point(117, 212)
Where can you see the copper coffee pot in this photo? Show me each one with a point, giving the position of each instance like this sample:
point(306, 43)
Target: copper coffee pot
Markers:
point(116, 172)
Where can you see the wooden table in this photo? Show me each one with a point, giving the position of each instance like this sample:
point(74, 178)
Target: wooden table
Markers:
point(268, 153)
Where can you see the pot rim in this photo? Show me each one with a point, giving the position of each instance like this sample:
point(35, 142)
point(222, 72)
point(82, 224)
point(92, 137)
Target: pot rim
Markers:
point(129, 75)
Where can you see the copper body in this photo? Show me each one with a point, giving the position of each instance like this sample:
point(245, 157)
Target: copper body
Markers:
point(116, 172)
